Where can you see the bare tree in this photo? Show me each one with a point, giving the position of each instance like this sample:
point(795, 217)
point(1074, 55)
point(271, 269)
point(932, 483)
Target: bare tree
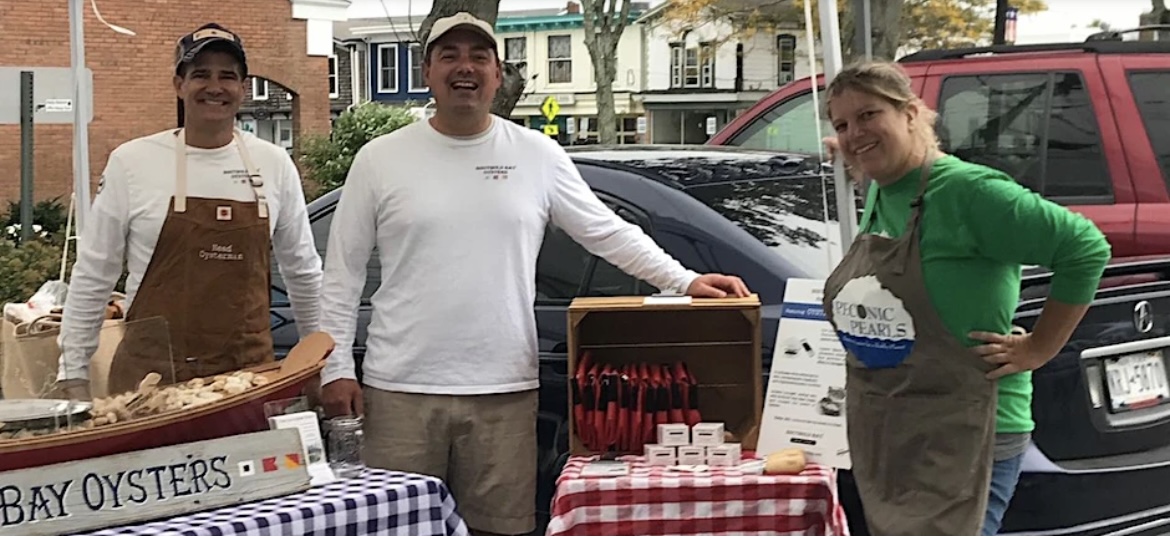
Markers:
point(488, 10)
point(604, 22)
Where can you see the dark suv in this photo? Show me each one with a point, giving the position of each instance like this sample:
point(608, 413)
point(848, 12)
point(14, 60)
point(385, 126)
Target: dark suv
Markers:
point(761, 215)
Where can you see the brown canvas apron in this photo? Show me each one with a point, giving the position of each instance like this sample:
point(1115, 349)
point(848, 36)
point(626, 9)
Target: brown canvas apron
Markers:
point(209, 280)
point(921, 413)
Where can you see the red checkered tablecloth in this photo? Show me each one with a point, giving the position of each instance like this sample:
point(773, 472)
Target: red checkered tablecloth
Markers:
point(654, 500)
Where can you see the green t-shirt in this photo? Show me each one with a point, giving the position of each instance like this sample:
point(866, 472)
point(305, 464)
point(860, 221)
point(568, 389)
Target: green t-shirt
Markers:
point(978, 228)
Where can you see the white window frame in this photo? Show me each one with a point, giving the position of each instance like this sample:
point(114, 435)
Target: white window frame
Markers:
point(521, 64)
point(700, 74)
point(707, 65)
point(334, 79)
point(568, 59)
point(421, 88)
point(382, 87)
point(284, 126)
point(676, 61)
point(257, 84)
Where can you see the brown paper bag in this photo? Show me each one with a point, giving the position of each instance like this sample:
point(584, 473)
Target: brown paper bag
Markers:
point(31, 356)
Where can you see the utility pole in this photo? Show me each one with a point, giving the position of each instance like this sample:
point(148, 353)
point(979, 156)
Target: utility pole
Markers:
point(27, 110)
point(1001, 9)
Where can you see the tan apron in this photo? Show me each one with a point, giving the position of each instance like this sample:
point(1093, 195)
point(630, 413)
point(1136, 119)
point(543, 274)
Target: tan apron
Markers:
point(920, 410)
point(209, 279)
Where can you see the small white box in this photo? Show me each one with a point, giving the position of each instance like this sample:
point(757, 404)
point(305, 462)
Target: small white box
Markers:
point(692, 455)
point(723, 455)
point(707, 434)
point(673, 434)
point(657, 455)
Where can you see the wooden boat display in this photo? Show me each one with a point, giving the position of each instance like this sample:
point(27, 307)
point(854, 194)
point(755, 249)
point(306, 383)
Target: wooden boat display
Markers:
point(231, 415)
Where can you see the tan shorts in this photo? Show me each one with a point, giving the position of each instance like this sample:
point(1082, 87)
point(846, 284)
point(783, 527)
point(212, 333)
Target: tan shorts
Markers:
point(482, 446)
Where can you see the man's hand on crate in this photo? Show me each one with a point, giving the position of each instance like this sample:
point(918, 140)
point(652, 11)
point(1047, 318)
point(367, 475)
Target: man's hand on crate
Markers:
point(718, 286)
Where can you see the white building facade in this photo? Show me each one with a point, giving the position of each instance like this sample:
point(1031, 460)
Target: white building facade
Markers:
point(549, 50)
point(702, 76)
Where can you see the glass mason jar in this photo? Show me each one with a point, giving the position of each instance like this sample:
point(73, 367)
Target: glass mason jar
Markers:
point(345, 447)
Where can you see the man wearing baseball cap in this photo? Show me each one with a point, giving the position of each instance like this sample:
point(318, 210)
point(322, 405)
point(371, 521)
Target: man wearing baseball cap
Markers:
point(457, 207)
point(194, 213)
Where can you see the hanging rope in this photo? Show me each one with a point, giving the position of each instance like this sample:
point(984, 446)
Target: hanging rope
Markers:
point(68, 236)
point(114, 27)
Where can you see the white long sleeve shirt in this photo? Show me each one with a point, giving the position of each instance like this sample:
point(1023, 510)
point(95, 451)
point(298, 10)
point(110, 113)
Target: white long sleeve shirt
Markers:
point(128, 213)
point(458, 224)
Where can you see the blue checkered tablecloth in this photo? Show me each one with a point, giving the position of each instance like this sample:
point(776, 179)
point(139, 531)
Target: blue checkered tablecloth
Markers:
point(376, 503)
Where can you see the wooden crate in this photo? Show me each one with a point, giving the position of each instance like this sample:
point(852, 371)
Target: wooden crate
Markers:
point(718, 339)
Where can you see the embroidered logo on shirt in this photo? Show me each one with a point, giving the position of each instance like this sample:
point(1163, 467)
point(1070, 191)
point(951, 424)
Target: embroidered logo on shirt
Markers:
point(241, 175)
point(495, 173)
point(223, 213)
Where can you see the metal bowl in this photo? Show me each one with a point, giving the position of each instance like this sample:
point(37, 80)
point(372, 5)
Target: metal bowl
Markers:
point(36, 414)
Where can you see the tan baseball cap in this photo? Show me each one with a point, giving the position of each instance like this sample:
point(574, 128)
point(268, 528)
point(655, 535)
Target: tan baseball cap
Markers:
point(466, 21)
point(190, 45)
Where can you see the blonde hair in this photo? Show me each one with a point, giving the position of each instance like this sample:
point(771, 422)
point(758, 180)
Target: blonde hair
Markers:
point(887, 81)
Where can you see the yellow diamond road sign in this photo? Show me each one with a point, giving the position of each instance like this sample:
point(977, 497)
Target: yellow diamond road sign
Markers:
point(550, 108)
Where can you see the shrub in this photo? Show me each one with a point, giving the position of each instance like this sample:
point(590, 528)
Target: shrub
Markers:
point(48, 218)
point(25, 267)
point(327, 159)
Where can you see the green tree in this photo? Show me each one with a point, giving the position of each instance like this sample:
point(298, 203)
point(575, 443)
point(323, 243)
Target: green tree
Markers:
point(954, 23)
point(327, 158)
point(913, 24)
point(604, 22)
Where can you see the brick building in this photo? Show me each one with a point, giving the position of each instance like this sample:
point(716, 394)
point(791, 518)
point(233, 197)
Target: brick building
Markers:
point(133, 93)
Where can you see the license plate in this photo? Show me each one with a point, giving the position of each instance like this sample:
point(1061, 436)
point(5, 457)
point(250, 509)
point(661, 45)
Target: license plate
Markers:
point(1137, 380)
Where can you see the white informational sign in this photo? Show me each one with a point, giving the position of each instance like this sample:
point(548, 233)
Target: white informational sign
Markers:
point(305, 423)
point(58, 105)
point(805, 403)
point(640, 125)
point(711, 126)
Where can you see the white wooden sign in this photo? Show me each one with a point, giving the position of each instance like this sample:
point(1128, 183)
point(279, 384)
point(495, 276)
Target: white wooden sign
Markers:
point(805, 404)
point(151, 484)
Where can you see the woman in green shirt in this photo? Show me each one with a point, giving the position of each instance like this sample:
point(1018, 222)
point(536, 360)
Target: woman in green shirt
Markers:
point(940, 384)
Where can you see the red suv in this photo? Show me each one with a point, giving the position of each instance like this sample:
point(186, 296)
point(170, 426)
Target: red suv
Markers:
point(1086, 125)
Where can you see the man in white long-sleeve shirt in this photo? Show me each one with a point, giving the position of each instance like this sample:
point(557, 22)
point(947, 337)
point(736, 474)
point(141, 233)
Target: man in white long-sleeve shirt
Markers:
point(457, 208)
point(194, 212)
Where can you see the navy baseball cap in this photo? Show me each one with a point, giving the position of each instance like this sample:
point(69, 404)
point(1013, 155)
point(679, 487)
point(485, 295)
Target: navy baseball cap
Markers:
point(192, 44)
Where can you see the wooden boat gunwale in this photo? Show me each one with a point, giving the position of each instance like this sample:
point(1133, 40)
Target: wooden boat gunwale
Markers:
point(280, 381)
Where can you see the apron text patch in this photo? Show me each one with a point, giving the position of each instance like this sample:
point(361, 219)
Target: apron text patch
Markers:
point(872, 323)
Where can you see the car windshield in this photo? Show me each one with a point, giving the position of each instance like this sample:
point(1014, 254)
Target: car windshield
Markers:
point(781, 199)
point(787, 214)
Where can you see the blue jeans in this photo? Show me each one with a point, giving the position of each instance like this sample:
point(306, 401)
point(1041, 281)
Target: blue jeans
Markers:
point(1004, 476)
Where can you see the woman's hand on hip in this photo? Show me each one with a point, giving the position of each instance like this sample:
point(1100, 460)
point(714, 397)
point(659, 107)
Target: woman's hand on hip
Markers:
point(1013, 353)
